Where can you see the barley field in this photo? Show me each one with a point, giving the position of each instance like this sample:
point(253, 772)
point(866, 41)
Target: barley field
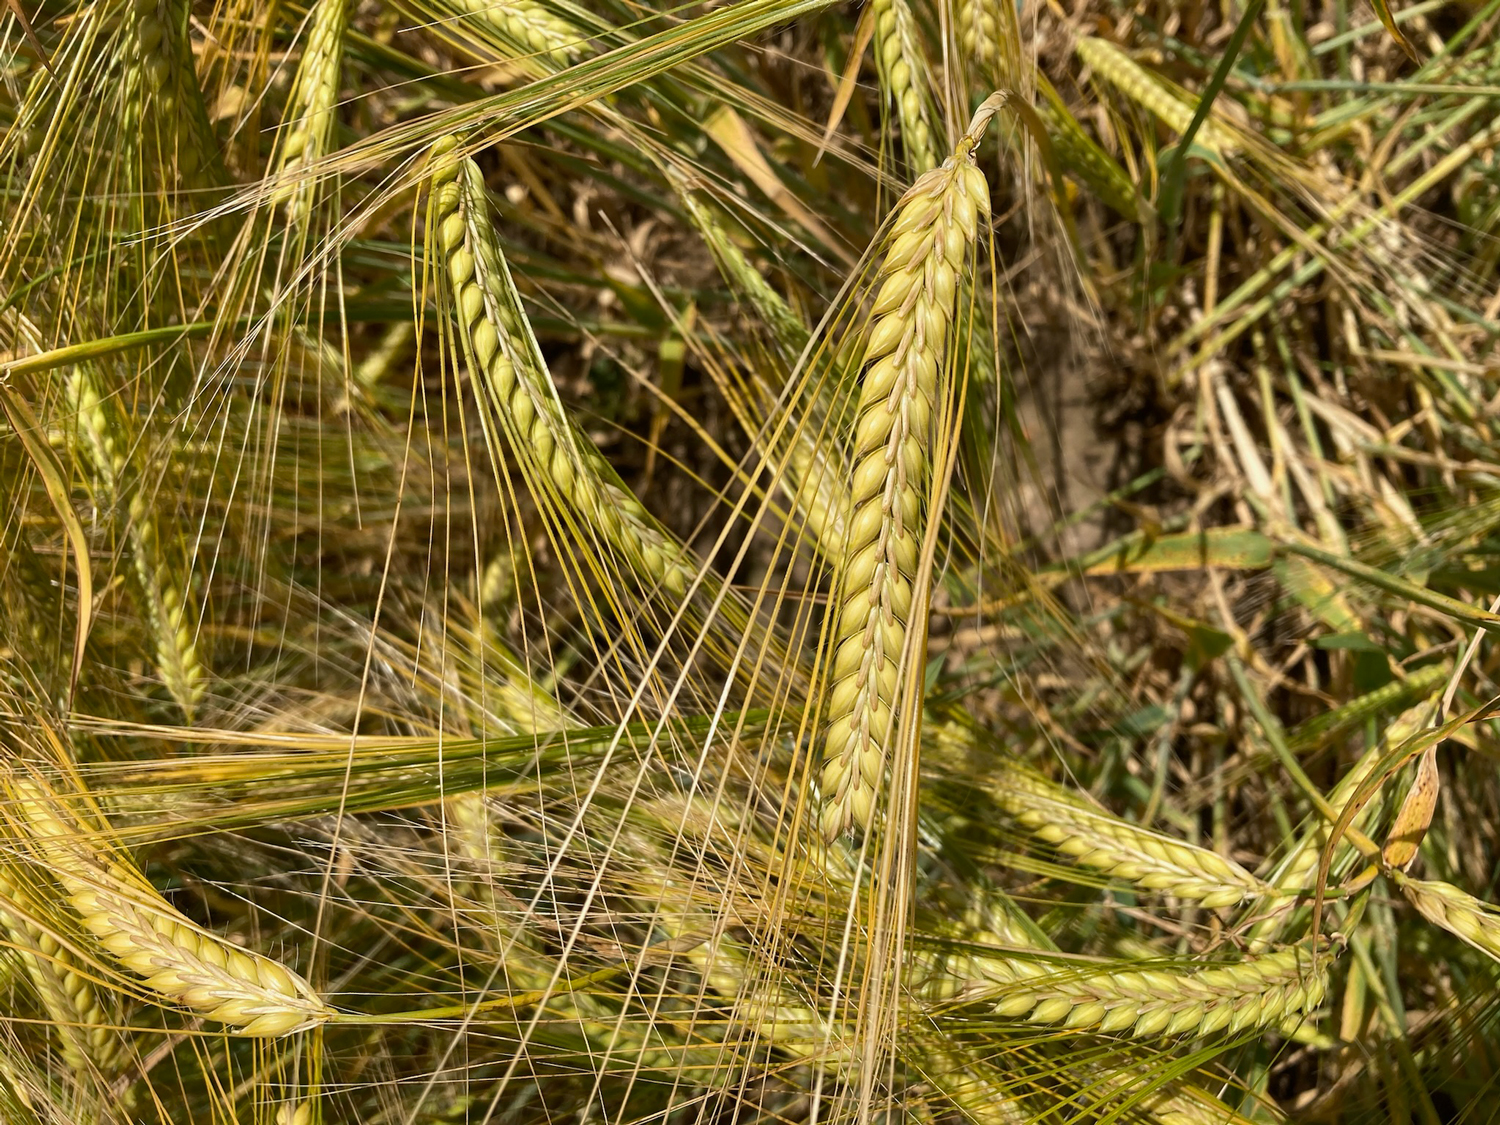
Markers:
point(752, 562)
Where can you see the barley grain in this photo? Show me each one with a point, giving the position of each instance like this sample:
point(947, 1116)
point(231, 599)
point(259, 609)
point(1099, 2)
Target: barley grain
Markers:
point(934, 229)
point(505, 361)
point(1116, 847)
point(176, 959)
point(903, 73)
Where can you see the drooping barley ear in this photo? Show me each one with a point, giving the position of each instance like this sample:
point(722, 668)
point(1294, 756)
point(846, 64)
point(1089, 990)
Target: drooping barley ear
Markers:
point(1117, 68)
point(1106, 843)
point(1146, 1003)
point(903, 73)
point(528, 28)
point(930, 238)
point(1460, 913)
point(163, 587)
point(507, 365)
point(170, 104)
point(176, 959)
point(85, 1031)
point(308, 132)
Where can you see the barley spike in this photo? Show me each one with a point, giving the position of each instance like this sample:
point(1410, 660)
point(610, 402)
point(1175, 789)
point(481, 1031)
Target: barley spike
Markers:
point(310, 109)
point(168, 601)
point(917, 285)
point(1116, 847)
point(1148, 1003)
point(1460, 913)
point(504, 358)
point(529, 27)
point(1142, 87)
point(166, 81)
point(146, 935)
point(902, 70)
point(83, 1027)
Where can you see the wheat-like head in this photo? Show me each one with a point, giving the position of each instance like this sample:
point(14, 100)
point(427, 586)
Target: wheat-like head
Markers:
point(310, 109)
point(1145, 1002)
point(1094, 838)
point(748, 283)
point(903, 73)
point(507, 364)
point(1454, 910)
point(163, 588)
point(166, 83)
point(1121, 71)
point(175, 958)
point(528, 27)
point(84, 1029)
point(917, 287)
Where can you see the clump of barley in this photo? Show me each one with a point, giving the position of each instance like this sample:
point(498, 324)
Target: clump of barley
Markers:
point(930, 238)
point(507, 364)
point(528, 27)
point(1143, 1002)
point(903, 73)
point(310, 108)
point(1460, 913)
point(175, 958)
point(1106, 843)
point(163, 587)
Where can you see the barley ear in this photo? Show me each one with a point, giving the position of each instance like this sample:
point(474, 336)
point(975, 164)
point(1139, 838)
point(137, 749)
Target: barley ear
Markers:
point(903, 75)
point(175, 118)
point(989, 37)
point(1465, 917)
point(84, 1029)
point(527, 28)
point(1117, 68)
point(935, 226)
point(308, 133)
point(506, 365)
point(1106, 843)
point(163, 587)
point(751, 287)
point(1145, 1002)
point(175, 958)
